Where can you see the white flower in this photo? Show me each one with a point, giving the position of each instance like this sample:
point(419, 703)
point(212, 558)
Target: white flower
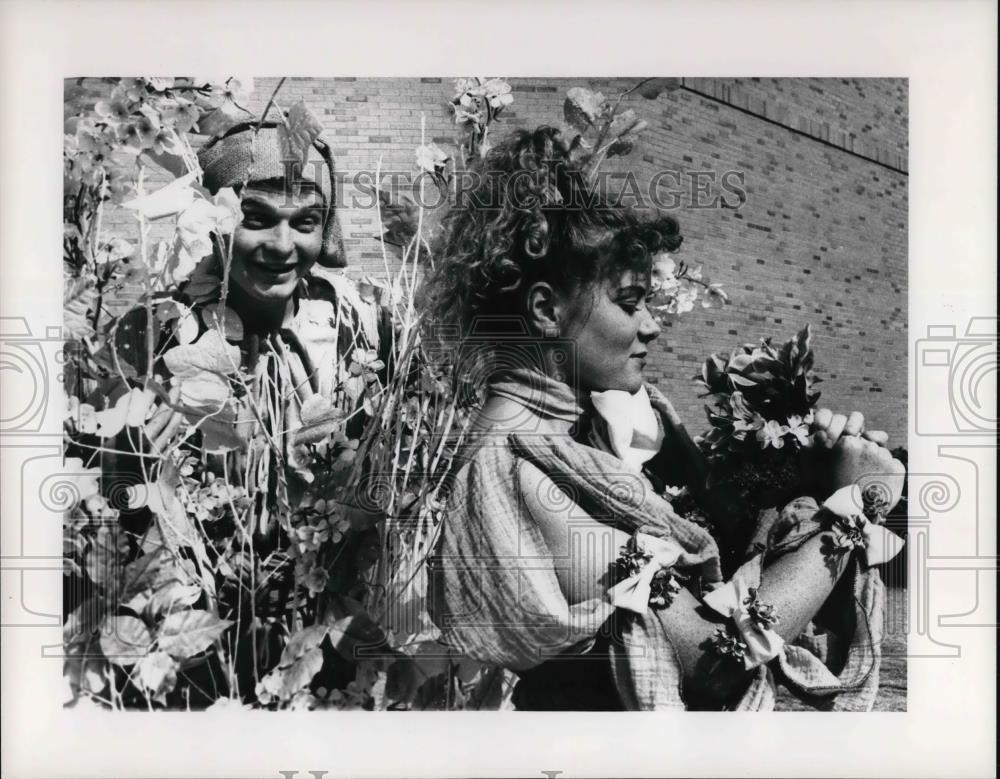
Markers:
point(662, 277)
point(771, 434)
point(799, 429)
point(685, 299)
point(430, 158)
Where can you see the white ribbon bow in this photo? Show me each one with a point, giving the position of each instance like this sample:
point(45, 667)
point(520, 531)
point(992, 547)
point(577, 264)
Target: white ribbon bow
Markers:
point(634, 428)
point(633, 593)
point(762, 643)
point(878, 544)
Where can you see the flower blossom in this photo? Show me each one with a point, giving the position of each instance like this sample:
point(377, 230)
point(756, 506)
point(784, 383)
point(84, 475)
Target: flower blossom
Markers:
point(772, 434)
point(798, 428)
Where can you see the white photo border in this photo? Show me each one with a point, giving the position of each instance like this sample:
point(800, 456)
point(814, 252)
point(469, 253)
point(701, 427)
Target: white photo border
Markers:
point(947, 50)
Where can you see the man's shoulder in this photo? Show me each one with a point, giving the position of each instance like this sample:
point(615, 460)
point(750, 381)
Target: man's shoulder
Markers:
point(320, 288)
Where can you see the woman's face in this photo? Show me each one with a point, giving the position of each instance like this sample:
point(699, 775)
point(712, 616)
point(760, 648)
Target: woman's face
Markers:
point(277, 242)
point(612, 329)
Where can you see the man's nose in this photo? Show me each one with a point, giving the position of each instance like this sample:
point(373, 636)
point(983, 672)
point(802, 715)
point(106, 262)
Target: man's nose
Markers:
point(281, 242)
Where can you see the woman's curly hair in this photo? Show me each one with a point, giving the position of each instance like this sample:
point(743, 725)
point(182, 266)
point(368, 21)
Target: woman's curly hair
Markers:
point(531, 216)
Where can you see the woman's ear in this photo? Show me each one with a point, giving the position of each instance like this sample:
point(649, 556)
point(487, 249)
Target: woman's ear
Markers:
point(543, 313)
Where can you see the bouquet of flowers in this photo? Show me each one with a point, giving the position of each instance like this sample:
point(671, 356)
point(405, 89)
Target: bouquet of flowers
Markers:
point(763, 402)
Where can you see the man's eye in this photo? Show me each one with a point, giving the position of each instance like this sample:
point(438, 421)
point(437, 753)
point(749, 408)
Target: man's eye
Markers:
point(306, 224)
point(632, 305)
point(254, 221)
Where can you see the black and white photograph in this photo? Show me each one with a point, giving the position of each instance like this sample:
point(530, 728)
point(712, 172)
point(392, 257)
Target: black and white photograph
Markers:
point(476, 393)
point(602, 400)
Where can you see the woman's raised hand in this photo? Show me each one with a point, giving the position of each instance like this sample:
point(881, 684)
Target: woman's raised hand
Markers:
point(845, 453)
point(829, 428)
point(856, 460)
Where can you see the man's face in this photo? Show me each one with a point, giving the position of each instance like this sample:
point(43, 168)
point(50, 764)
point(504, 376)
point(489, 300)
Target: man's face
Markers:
point(278, 240)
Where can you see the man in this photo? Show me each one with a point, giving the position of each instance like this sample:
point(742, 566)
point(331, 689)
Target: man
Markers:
point(294, 334)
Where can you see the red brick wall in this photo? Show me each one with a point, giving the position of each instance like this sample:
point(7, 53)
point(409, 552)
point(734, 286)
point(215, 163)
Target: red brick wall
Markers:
point(820, 238)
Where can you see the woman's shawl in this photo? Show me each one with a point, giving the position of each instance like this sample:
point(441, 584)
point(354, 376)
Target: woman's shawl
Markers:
point(496, 598)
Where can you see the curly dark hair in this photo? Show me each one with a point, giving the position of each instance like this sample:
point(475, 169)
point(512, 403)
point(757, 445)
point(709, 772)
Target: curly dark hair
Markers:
point(531, 216)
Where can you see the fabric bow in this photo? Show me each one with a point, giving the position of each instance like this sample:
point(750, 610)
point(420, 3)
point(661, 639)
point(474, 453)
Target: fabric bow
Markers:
point(735, 600)
point(853, 530)
point(634, 429)
point(634, 592)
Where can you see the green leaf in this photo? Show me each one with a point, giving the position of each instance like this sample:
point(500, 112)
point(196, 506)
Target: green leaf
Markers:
point(209, 353)
point(402, 680)
point(620, 147)
point(222, 118)
point(223, 319)
point(185, 329)
point(103, 561)
point(300, 673)
point(125, 640)
point(175, 526)
point(145, 573)
point(303, 641)
point(351, 635)
point(186, 633)
point(170, 597)
point(302, 129)
point(157, 675)
point(582, 107)
point(220, 435)
point(740, 363)
point(79, 299)
point(623, 123)
point(84, 620)
point(205, 283)
point(319, 420)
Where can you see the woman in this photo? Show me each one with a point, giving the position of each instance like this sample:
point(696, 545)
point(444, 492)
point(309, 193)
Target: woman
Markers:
point(548, 287)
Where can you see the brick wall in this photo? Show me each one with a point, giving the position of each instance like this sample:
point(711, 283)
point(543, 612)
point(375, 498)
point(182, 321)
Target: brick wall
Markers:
point(820, 237)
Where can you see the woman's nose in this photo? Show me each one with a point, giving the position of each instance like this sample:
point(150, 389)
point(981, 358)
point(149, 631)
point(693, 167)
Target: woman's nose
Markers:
point(649, 328)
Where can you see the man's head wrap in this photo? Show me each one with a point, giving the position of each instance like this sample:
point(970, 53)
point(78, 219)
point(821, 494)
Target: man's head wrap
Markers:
point(226, 161)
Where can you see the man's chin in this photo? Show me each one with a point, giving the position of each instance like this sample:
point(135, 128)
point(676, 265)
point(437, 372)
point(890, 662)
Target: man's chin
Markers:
point(273, 294)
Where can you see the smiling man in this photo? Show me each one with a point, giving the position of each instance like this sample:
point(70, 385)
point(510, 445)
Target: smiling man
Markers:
point(294, 332)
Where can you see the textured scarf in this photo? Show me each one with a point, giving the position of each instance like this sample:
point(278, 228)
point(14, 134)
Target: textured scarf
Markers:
point(496, 597)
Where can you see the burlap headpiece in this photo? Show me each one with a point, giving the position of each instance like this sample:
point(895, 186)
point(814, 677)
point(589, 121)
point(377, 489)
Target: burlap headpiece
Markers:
point(227, 161)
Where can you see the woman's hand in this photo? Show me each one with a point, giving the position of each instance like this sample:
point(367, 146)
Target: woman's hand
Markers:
point(828, 428)
point(843, 452)
point(865, 463)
